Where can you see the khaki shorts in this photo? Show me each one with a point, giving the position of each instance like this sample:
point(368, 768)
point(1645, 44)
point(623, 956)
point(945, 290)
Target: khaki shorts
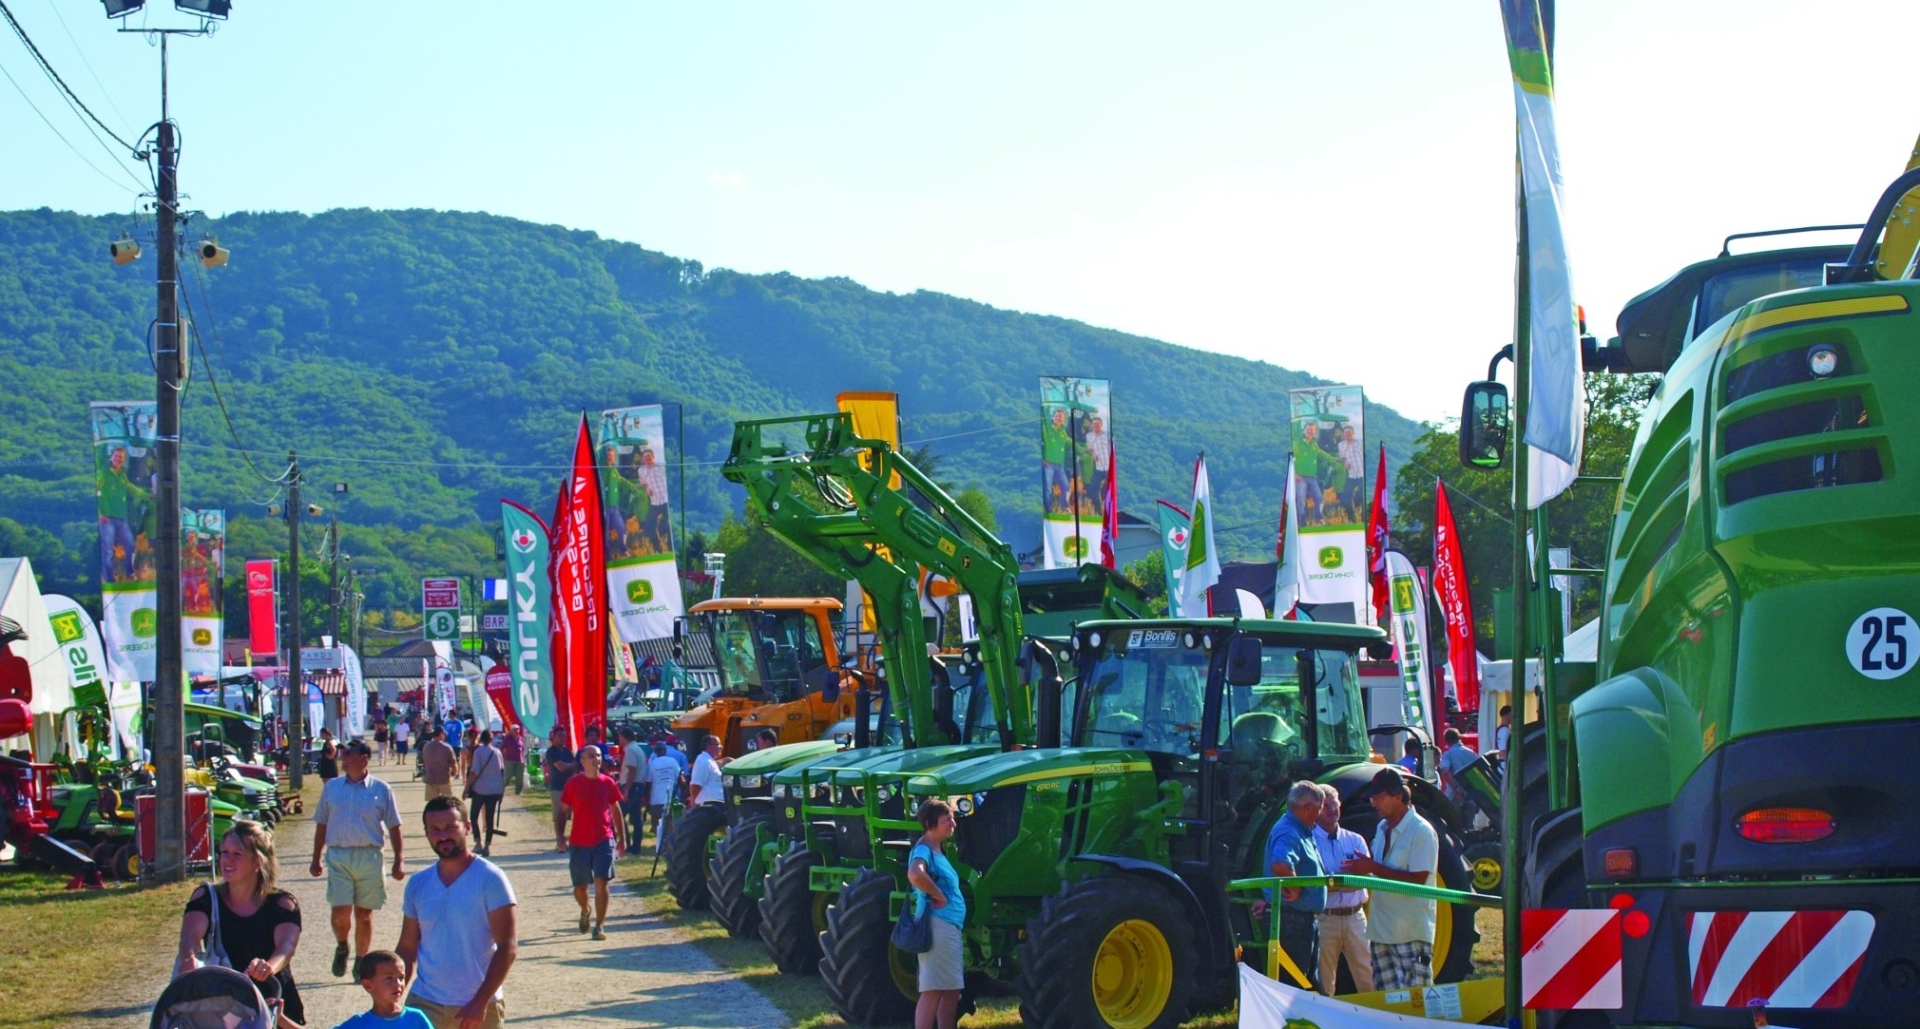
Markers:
point(447, 1016)
point(355, 877)
point(442, 789)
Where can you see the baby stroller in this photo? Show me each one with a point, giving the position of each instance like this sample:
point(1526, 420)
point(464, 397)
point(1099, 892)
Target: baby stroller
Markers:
point(216, 998)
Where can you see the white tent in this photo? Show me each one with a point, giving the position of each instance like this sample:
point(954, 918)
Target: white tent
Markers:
point(52, 682)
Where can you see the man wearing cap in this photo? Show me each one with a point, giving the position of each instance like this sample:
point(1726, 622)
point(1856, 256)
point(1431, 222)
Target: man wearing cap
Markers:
point(1291, 851)
point(1399, 927)
point(348, 825)
point(592, 799)
point(1343, 925)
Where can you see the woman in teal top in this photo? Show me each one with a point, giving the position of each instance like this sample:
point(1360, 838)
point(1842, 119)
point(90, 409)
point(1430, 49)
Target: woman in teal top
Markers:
point(942, 968)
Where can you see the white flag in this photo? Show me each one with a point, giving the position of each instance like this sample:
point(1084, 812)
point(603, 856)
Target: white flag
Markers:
point(1203, 557)
point(1286, 582)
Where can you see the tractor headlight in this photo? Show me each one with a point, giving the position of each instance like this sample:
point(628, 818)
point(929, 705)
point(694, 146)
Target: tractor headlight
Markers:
point(963, 806)
point(779, 790)
point(885, 792)
point(1822, 361)
point(752, 782)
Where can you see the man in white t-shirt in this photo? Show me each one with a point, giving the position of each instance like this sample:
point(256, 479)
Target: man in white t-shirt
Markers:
point(706, 783)
point(633, 766)
point(1399, 927)
point(458, 939)
point(663, 778)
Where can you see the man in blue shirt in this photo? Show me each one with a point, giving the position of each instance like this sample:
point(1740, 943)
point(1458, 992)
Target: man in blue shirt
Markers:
point(1291, 851)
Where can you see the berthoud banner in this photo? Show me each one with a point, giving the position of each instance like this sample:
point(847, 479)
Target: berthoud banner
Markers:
point(579, 595)
point(643, 580)
point(1329, 496)
point(124, 465)
point(1456, 605)
point(203, 546)
point(529, 621)
point(1076, 453)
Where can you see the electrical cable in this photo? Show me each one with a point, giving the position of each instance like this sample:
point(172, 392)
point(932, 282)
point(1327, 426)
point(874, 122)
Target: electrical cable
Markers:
point(76, 151)
point(55, 7)
point(213, 380)
point(58, 81)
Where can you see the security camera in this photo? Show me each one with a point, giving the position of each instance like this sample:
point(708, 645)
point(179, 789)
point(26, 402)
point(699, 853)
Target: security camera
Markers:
point(124, 250)
point(313, 510)
point(273, 510)
point(212, 254)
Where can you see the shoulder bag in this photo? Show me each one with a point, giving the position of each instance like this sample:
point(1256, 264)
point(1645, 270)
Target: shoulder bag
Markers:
point(216, 951)
point(913, 934)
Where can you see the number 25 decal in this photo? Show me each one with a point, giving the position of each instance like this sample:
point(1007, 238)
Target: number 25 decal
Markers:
point(1883, 643)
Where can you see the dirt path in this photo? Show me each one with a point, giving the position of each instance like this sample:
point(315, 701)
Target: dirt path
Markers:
point(644, 974)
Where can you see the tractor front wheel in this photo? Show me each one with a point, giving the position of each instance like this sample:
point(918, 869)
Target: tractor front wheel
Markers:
point(1110, 952)
point(126, 863)
point(687, 854)
point(792, 916)
point(728, 872)
point(869, 981)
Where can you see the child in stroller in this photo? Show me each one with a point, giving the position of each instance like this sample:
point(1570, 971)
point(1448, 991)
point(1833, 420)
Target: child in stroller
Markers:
point(213, 997)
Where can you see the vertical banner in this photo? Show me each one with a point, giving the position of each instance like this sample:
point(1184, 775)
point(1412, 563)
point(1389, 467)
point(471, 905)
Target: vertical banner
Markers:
point(530, 659)
point(1329, 494)
point(1456, 606)
point(1410, 638)
point(1287, 577)
point(499, 685)
point(579, 594)
point(123, 698)
point(1174, 526)
point(875, 416)
point(1076, 453)
point(643, 579)
point(124, 465)
point(356, 723)
point(1203, 558)
point(1378, 540)
point(263, 608)
point(79, 642)
point(203, 546)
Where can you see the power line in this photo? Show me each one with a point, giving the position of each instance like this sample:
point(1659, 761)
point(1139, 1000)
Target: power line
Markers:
point(55, 7)
point(76, 151)
point(193, 323)
point(58, 81)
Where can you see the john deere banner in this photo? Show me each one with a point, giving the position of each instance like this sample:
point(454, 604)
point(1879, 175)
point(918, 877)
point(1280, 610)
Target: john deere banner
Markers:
point(123, 479)
point(1076, 453)
point(203, 545)
point(79, 643)
point(643, 581)
point(530, 607)
point(1329, 495)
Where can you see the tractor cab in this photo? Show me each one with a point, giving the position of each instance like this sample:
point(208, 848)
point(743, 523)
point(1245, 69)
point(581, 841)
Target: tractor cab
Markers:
point(771, 650)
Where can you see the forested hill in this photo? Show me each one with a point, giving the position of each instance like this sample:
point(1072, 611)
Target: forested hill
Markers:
point(437, 361)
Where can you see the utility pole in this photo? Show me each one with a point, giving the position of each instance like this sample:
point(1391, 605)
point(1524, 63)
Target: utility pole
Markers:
point(296, 684)
point(333, 579)
point(169, 730)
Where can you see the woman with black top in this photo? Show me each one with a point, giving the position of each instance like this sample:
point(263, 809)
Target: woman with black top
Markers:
point(329, 756)
point(259, 923)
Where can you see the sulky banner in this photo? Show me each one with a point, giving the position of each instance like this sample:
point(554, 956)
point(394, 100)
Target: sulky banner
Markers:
point(124, 466)
point(1076, 454)
point(643, 580)
point(530, 655)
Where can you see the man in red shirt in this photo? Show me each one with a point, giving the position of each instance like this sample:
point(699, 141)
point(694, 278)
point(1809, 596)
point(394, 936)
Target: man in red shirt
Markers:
point(591, 799)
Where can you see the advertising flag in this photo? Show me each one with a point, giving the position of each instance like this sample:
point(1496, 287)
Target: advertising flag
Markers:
point(579, 595)
point(530, 654)
point(356, 692)
point(1203, 560)
point(79, 642)
point(263, 608)
point(1410, 638)
point(1175, 525)
point(643, 579)
point(876, 415)
point(1378, 542)
point(1110, 511)
point(1555, 404)
point(203, 548)
point(1329, 496)
point(1286, 577)
point(124, 468)
point(1076, 454)
point(1456, 606)
point(499, 684)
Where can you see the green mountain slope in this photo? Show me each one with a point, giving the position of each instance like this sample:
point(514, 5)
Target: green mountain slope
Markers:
point(437, 361)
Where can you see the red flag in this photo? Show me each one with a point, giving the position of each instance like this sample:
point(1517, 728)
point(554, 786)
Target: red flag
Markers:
point(1450, 588)
point(263, 609)
point(1110, 510)
point(579, 598)
point(499, 682)
point(1377, 542)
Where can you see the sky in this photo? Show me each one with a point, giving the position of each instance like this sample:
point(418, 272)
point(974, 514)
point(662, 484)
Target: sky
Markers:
point(1326, 187)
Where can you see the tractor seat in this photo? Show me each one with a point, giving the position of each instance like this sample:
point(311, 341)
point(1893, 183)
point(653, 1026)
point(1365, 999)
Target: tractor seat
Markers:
point(1257, 729)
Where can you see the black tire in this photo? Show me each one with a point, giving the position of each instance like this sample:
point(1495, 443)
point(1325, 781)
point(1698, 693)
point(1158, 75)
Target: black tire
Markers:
point(102, 855)
point(728, 872)
point(126, 863)
point(1111, 931)
point(687, 854)
point(791, 915)
point(1484, 867)
point(869, 982)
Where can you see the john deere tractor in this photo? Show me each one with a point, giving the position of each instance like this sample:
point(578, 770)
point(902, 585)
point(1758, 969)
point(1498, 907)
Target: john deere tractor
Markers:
point(1095, 874)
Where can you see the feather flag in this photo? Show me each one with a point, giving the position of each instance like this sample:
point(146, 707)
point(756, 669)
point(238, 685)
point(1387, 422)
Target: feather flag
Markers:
point(1456, 606)
point(1378, 542)
point(1203, 561)
point(579, 593)
point(1110, 510)
point(1286, 579)
point(530, 636)
point(1175, 526)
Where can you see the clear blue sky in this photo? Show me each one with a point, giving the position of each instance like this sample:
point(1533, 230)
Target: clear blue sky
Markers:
point(1324, 186)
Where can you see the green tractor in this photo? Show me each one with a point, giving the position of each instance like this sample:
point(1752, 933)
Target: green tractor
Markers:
point(1096, 873)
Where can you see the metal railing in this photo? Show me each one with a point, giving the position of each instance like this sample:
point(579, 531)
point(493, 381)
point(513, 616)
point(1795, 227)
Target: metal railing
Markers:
point(1277, 957)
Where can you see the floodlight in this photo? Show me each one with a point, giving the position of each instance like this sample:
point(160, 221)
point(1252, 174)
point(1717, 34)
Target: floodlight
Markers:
point(122, 8)
point(124, 250)
point(205, 8)
point(212, 254)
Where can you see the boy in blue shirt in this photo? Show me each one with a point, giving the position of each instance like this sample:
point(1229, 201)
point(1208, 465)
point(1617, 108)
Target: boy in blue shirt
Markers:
point(384, 976)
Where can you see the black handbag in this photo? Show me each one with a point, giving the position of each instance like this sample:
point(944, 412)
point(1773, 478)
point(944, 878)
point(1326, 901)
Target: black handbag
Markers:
point(913, 934)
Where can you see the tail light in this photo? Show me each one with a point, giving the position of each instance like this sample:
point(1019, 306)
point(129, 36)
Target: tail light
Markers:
point(1622, 863)
point(1785, 825)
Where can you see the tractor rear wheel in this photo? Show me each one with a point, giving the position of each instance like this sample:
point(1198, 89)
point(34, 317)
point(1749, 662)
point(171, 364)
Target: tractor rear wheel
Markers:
point(791, 915)
point(687, 854)
point(1110, 952)
point(728, 873)
point(1483, 862)
point(869, 982)
point(126, 863)
point(102, 855)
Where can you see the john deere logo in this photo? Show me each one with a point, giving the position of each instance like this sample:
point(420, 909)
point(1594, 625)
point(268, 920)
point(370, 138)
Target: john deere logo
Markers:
point(203, 637)
point(66, 626)
point(144, 622)
point(523, 540)
point(1074, 546)
point(1332, 557)
point(639, 591)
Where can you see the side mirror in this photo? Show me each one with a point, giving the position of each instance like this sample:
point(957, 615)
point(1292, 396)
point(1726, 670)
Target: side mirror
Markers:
point(1484, 425)
point(1381, 650)
point(1243, 661)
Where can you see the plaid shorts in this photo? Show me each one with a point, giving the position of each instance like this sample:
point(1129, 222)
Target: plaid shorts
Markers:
point(1401, 966)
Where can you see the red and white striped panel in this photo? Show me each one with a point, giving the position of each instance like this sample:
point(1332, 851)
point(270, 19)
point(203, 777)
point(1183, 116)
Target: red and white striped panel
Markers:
point(1790, 959)
point(1569, 959)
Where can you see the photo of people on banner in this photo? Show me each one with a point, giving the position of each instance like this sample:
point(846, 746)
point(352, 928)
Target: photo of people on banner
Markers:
point(634, 481)
point(1075, 444)
point(124, 468)
point(1329, 457)
point(202, 559)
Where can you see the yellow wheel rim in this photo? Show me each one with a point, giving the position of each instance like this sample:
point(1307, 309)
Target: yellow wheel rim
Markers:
point(1486, 874)
point(1132, 975)
point(905, 969)
point(820, 903)
point(1442, 934)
